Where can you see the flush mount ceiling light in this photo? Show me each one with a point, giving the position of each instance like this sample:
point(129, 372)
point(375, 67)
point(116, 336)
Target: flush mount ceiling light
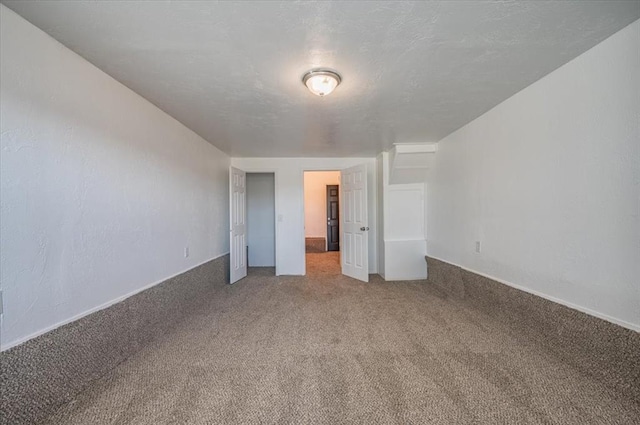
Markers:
point(321, 82)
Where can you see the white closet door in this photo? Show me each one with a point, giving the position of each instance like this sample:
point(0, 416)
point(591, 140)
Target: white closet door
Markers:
point(238, 226)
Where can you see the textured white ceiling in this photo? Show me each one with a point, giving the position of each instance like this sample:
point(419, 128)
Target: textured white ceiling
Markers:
point(412, 71)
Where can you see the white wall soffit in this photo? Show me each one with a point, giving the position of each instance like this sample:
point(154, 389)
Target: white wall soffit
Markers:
point(409, 162)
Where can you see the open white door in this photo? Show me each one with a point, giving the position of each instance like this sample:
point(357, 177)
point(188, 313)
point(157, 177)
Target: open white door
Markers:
point(355, 235)
point(238, 219)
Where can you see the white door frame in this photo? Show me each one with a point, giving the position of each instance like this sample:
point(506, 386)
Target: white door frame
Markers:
point(337, 169)
point(339, 165)
point(273, 171)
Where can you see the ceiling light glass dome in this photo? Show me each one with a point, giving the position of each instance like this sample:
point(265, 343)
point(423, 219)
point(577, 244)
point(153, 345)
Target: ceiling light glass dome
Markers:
point(321, 82)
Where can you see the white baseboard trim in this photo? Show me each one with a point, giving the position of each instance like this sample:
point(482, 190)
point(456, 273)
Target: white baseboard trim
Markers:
point(100, 307)
point(614, 320)
point(403, 278)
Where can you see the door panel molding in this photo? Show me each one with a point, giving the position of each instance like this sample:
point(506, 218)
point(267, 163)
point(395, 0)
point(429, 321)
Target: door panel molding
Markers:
point(354, 223)
point(333, 218)
point(238, 224)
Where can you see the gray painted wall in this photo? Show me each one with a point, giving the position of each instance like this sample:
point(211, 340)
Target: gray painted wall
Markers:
point(261, 213)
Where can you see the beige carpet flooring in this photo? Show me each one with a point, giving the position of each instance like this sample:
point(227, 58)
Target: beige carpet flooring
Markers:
point(326, 349)
point(323, 265)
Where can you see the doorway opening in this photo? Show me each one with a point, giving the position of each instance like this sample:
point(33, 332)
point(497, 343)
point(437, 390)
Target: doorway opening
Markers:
point(261, 227)
point(322, 222)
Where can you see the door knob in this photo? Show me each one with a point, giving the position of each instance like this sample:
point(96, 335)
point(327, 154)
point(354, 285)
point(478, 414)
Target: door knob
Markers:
point(364, 228)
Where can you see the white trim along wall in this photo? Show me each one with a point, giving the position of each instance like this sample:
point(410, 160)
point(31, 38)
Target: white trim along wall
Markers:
point(548, 182)
point(102, 192)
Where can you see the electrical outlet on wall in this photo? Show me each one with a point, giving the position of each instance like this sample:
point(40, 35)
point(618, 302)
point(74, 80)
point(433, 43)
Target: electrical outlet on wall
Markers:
point(186, 251)
point(478, 247)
